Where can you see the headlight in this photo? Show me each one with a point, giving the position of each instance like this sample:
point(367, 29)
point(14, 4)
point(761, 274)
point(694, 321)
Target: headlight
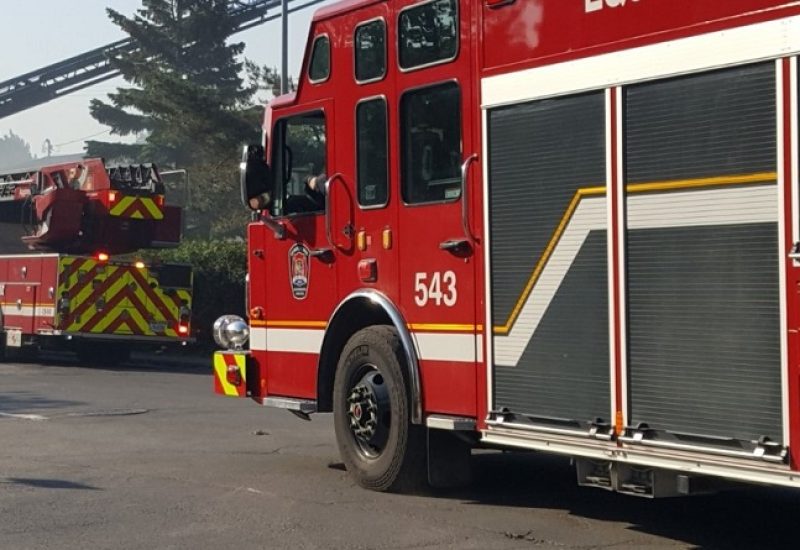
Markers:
point(231, 332)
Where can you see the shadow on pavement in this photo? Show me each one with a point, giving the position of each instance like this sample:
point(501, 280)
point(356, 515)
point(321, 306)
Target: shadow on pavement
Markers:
point(139, 362)
point(24, 401)
point(752, 517)
point(48, 483)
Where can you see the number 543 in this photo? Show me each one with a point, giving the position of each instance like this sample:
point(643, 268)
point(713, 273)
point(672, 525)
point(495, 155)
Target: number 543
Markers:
point(439, 288)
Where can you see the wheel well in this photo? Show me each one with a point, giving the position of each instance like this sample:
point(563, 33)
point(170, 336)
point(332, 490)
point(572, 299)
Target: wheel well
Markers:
point(353, 316)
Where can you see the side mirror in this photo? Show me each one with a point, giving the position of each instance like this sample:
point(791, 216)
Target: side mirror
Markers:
point(255, 178)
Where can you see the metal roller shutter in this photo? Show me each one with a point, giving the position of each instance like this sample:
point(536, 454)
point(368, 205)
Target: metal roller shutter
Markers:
point(703, 290)
point(551, 350)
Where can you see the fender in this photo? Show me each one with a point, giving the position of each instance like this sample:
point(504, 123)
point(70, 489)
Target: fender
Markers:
point(390, 310)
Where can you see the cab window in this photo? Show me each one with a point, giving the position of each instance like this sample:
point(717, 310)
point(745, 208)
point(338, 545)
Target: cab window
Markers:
point(320, 67)
point(372, 151)
point(428, 34)
point(299, 164)
point(431, 144)
point(370, 47)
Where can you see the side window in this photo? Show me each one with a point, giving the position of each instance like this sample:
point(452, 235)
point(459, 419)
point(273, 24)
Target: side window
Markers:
point(428, 33)
point(371, 150)
point(431, 144)
point(299, 161)
point(370, 48)
point(319, 69)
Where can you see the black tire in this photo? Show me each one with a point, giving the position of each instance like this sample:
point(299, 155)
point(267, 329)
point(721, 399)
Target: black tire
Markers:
point(379, 445)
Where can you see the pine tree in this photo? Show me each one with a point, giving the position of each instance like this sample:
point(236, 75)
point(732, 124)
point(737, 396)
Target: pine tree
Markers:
point(186, 93)
point(14, 151)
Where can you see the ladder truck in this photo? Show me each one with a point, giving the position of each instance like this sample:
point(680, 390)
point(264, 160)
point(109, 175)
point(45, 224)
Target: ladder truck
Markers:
point(62, 285)
point(565, 226)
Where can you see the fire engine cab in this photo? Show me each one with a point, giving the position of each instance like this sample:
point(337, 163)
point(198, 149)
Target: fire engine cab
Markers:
point(568, 226)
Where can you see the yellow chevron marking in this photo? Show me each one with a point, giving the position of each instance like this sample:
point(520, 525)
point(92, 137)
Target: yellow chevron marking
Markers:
point(155, 212)
point(669, 185)
point(221, 372)
point(116, 287)
point(121, 206)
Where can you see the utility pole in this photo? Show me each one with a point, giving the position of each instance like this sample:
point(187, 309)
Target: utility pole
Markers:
point(284, 46)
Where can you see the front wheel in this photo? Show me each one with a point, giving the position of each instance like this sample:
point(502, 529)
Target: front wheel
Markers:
point(381, 448)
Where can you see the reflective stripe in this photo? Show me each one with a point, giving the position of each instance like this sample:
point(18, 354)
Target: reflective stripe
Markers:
point(137, 208)
point(109, 298)
point(431, 346)
point(223, 360)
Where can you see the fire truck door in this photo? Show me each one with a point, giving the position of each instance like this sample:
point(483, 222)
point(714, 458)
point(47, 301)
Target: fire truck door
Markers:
point(438, 189)
point(299, 266)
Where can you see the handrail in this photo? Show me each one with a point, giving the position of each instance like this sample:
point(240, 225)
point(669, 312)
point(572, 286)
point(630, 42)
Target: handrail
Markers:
point(329, 208)
point(465, 225)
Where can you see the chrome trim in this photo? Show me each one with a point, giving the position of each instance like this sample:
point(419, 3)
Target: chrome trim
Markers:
point(465, 197)
point(439, 61)
point(707, 449)
point(380, 299)
point(304, 406)
point(382, 19)
point(577, 432)
point(445, 422)
point(329, 208)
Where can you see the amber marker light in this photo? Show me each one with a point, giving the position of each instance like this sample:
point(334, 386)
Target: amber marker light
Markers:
point(139, 265)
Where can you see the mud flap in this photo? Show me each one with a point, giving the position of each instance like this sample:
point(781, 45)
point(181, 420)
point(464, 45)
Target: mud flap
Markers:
point(449, 460)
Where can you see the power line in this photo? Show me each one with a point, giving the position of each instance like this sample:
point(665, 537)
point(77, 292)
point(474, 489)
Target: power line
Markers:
point(82, 139)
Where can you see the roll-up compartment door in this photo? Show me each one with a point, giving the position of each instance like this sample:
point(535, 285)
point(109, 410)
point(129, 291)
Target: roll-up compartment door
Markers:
point(704, 360)
point(549, 290)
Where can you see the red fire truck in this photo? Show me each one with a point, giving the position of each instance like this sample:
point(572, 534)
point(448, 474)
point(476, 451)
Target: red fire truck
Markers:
point(59, 285)
point(568, 226)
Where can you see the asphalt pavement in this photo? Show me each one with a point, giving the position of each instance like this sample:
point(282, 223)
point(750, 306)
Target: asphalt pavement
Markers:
point(143, 455)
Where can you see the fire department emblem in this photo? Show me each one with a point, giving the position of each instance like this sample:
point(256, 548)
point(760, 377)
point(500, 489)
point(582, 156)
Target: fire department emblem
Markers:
point(299, 267)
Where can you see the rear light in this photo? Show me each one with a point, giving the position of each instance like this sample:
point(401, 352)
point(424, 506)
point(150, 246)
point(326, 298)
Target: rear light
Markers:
point(183, 329)
point(112, 197)
point(102, 257)
point(139, 265)
point(233, 375)
point(159, 199)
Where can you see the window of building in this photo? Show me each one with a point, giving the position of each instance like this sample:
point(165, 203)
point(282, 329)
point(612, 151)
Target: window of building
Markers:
point(370, 48)
point(372, 154)
point(299, 164)
point(320, 68)
point(431, 144)
point(428, 33)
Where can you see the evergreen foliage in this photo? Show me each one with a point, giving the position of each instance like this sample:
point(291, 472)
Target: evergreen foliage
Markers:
point(14, 151)
point(187, 94)
point(188, 98)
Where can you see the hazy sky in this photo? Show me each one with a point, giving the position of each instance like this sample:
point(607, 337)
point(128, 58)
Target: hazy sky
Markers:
point(40, 32)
